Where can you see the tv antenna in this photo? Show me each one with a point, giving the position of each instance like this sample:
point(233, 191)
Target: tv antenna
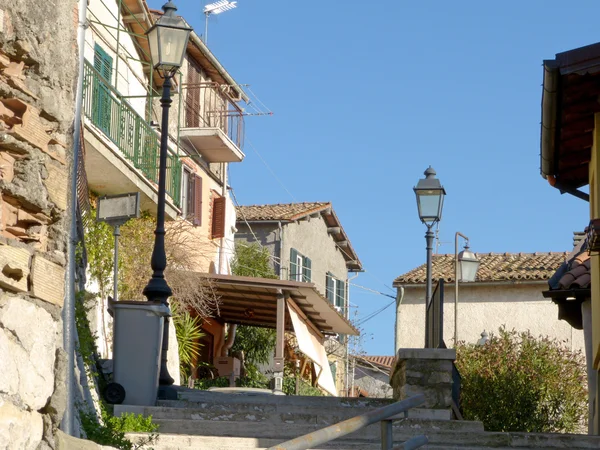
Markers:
point(217, 7)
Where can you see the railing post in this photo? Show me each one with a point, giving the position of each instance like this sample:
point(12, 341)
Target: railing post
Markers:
point(387, 435)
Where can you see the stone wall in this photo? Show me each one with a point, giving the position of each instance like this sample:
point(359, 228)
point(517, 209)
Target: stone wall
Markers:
point(38, 68)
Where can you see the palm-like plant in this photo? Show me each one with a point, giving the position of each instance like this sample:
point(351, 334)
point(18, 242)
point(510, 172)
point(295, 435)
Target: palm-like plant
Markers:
point(189, 332)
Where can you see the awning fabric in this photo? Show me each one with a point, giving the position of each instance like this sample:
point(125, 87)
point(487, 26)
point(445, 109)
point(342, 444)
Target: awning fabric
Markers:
point(312, 346)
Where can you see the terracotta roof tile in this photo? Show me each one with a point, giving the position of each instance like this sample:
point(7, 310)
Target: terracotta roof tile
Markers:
point(382, 361)
point(494, 267)
point(287, 211)
point(578, 277)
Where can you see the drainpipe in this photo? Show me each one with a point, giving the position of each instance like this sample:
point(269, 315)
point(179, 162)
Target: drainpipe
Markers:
point(347, 315)
point(69, 330)
point(222, 240)
point(230, 339)
point(399, 298)
point(281, 276)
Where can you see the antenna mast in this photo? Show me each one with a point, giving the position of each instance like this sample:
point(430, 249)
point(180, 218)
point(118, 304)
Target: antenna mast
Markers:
point(216, 8)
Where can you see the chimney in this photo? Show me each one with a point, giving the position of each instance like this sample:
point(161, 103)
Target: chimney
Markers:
point(578, 236)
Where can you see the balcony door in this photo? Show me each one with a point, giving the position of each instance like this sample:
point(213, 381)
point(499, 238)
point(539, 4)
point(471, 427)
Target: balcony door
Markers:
point(192, 100)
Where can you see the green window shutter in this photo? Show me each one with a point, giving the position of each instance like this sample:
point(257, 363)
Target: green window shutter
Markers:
point(103, 63)
point(306, 270)
point(340, 294)
point(293, 266)
point(329, 289)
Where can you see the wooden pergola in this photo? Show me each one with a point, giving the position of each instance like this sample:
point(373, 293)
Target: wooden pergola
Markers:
point(285, 306)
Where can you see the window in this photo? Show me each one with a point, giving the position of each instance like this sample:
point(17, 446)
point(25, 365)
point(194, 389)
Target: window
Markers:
point(335, 291)
point(218, 218)
point(191, 197)
point(300, 267)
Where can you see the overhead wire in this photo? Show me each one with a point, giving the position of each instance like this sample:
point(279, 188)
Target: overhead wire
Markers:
point(269, 169)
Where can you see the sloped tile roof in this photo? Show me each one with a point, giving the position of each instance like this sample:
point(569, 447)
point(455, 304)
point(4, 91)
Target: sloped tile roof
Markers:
point(286, 211)
point(494, 267)
point(382, 361)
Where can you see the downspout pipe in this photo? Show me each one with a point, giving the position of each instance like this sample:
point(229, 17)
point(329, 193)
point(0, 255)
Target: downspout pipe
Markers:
point(69, 330)
point(230, 339)
point(280, 228)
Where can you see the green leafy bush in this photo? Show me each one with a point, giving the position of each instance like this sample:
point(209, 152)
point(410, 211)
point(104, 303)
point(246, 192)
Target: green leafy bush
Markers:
point(111, 430)
point(516, 382)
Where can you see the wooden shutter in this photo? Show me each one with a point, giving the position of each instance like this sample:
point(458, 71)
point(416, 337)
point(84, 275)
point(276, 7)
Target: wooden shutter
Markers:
point(293, 266)
point(329, 289)
point(103, 63)
point(192, 98)
point(218, 218)
point(197, 221)
point(340, 294)
point(306, 270)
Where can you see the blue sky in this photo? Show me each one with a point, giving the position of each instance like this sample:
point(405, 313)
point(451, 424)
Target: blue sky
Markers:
point(365, 97)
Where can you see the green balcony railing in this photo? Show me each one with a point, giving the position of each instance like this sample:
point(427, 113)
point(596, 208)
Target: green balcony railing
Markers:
point(134, 137)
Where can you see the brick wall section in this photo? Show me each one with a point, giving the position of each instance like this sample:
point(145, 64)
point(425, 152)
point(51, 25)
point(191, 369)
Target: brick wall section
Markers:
point(38, 70)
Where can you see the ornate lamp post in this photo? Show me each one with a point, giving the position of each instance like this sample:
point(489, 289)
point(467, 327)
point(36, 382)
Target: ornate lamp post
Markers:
point(430, 201)
point(466, 265)
point(168, 39)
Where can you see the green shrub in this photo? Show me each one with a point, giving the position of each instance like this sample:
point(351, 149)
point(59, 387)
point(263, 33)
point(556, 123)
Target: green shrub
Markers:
point(110, 430)
point(516, 382)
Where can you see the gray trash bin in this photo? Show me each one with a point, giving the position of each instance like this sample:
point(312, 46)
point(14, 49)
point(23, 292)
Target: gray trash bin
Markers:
point(137, 343)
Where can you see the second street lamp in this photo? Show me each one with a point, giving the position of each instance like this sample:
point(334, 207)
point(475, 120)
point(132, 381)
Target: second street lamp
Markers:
point(168, 39)
point(466, 265)
point(430, 201)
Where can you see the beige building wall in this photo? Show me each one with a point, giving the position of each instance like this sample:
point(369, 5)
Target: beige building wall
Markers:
point(309, 236)
point(481, 307)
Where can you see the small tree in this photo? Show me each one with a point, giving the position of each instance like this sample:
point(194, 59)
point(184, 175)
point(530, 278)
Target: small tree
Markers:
point(252, 260)
point(516, 382)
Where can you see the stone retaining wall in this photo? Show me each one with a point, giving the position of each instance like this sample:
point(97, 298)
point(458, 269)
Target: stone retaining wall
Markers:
point(38, 69)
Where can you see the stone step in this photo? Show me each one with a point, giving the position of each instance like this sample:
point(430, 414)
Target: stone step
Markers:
point(189, 398)
point(437, 440)
point(276, 414)
point(188, 442)
point(445, 431)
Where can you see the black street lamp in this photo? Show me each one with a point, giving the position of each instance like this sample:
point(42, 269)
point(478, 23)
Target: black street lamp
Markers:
point(168, 39)
point(430, 201)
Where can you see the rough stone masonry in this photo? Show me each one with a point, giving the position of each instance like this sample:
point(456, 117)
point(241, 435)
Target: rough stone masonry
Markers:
point(38, 69)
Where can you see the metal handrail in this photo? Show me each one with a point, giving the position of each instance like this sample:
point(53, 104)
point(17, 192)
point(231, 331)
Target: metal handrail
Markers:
point(340, 429)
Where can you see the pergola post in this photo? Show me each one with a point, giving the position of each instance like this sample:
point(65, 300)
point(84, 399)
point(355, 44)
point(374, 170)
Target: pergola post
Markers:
point(278, 363)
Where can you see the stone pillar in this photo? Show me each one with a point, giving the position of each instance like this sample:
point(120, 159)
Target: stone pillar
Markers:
point(425, 371)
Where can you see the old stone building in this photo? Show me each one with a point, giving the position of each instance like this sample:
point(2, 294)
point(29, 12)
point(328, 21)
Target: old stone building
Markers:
point(38, 69)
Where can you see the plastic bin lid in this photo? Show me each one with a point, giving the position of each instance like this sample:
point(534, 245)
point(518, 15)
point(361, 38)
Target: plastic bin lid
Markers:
point(157, 308)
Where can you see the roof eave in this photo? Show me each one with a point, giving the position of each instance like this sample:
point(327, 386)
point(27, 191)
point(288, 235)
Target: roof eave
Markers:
point(397, 284)
point(196, 41)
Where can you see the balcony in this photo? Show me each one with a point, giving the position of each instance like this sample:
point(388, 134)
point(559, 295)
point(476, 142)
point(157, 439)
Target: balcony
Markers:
point(122, 150)
point(213, 122)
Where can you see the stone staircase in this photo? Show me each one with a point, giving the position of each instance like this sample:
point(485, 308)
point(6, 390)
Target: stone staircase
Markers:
point(203, 420)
